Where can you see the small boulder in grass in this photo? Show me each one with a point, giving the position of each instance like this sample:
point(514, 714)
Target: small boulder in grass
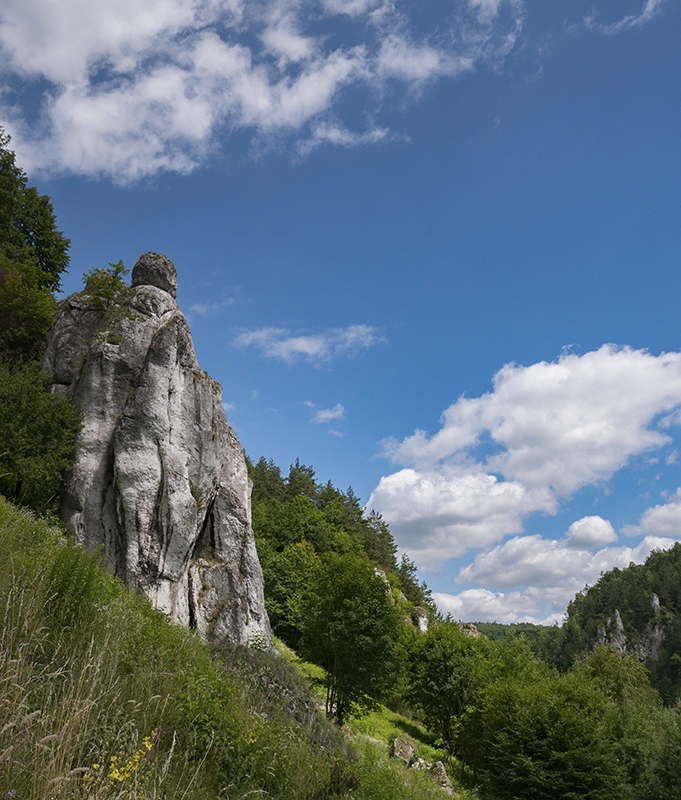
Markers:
point(403, 749)
point(441, 778)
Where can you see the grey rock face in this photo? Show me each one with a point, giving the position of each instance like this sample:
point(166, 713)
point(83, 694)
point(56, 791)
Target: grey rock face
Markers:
point(159, 478)
point(646, 644)
point(402, 748)
point(613, 634)
point(441, 778)
point(617, 634)
point(153, 269)
point(469, 629)
point(419, 616)
point(655, 605)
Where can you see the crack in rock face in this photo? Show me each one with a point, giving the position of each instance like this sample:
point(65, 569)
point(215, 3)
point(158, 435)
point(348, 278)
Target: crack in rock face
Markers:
point(159, 479)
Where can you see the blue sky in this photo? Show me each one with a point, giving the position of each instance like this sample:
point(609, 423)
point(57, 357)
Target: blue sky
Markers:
point(431, 248)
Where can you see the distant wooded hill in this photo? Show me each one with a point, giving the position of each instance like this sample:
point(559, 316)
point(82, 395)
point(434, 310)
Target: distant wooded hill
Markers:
point(647, 600)
point(636, 611)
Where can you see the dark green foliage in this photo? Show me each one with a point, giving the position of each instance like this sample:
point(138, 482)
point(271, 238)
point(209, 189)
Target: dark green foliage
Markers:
point(525, 731)
point(416, 592)
point(545, 739)
point(635, 721)
point(301, 527)
point(37, 432)
point(444, 678)
point(33, 255)
point(28, 230)
point(449, 673)
point(301, 481)
point(290, 573)
point(298, 509)
point(351, 630)
point(663, 777)
point(544, 641)
point(268, 483)
point(26, 310)
point(296, 520)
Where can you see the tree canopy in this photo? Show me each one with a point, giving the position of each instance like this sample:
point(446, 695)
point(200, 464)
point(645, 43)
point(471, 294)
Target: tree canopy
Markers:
point(33, 256)
point(352, 631)
point(37, 429)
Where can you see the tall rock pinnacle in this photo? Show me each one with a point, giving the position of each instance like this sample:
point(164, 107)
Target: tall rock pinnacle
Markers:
point(159, 478)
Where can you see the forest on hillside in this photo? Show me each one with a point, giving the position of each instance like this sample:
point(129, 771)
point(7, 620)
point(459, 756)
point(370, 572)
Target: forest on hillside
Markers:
point(101, 697)
point(523, 712)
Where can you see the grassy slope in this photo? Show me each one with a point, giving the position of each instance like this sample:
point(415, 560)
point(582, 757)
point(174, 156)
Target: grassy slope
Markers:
point(102, 697)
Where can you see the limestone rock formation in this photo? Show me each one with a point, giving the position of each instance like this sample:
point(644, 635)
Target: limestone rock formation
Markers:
point(419, 616)
point(403, 748)
point(469, 629)
point(646, 644)
point(159, 478)
point(441, 778)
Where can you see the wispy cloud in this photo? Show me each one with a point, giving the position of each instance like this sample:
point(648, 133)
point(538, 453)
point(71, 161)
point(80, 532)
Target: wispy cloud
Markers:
point(204, 309)
point(330, 133)
point(319, 348)
point(651, 8)
point(129, 88)
point(329, 414)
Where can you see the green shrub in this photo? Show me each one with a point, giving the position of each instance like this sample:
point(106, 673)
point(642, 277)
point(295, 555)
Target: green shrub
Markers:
point(105, 287)
point(38, 435)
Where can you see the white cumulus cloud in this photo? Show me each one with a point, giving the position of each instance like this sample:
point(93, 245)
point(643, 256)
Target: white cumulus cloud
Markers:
point(660, 520)
point(542, 433)
point(540, 577)
point(128, 88)
point(325, 415)
point(483, 605)
point(437, 515)
point(589, 532)
point(562, 424)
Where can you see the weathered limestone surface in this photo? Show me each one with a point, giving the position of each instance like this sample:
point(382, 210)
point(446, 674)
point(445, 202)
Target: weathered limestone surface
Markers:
point(646, 644)
point(159, 477)
point(419, 616)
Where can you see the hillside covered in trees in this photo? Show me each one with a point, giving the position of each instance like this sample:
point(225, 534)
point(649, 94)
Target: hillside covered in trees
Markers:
point(518, 713)
point(646, 599)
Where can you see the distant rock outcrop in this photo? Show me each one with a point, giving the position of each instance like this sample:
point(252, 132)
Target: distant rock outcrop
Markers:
point(612, 633)
point(159, 478)
point(469, 629)
point(646, 644)
point(419, 616)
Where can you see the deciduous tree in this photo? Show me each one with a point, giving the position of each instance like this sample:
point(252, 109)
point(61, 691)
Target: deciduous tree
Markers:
point(33, 256)
point(351, 631)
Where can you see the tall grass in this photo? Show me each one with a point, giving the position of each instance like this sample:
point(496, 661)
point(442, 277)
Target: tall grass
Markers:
point(101, 697)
